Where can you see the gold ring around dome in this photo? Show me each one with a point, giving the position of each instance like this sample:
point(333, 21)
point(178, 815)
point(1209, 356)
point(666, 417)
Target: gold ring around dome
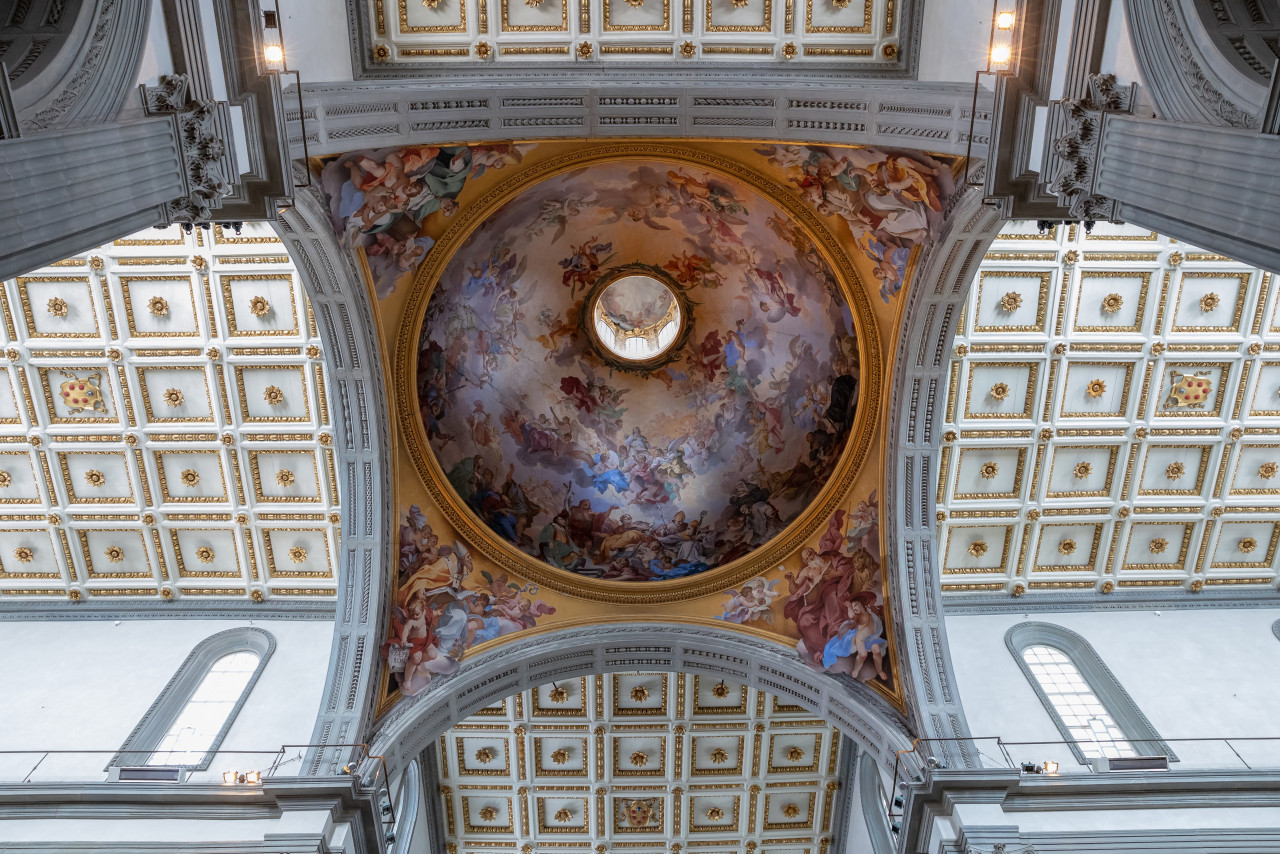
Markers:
point(507, 556)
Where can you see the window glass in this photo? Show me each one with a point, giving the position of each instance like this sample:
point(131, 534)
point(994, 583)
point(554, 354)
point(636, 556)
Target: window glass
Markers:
point(1081, 711)
point(204, 715)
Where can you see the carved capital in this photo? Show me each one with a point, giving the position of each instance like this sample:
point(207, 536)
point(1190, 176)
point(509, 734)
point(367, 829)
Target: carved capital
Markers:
point(202, 149)
point(1078, 148)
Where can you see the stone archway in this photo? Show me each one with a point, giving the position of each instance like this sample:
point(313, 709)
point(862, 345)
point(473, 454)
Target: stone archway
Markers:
point(917, 389)
point(494, 674)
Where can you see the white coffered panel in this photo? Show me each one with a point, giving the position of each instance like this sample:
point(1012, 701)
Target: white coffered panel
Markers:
point(164, 425)
point(1113, 418)
point(849, 31)
point(639, 762)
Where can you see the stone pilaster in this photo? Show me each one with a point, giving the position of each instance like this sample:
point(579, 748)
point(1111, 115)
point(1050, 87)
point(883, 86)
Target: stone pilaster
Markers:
point(204, 154)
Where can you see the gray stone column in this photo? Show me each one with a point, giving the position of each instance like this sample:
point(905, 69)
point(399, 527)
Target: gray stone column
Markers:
point(70, 190)
point(1214, 187)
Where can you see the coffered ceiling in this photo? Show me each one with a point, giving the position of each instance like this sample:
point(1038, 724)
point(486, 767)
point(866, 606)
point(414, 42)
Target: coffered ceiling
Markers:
point(164, 425)
point(639, 762)
point(1113, 418)
point(496, 31)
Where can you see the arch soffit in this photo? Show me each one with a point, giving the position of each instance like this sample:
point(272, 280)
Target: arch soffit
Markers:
point(1186, 83)
point(494, 674)
point(362, 445)
point(916, 390)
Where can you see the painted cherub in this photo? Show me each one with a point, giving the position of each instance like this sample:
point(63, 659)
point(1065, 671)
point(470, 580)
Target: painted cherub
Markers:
point(861, 634)
point(752, 602)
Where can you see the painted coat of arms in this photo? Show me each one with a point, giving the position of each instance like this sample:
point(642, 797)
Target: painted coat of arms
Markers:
point(1190, 391)
point(80, 394)
point(641, 813)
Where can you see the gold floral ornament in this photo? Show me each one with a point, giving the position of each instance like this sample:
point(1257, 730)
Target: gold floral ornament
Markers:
point(560, 756)
point(257, 595)
point(1157, 348)
point(96, 263)
point(1067, 547)
point(635, 4)
point(58, 307)
point(1158, 545)
point(259, 307)
point(988, 470)
point(1111, 303)
point(159, 306)
point(488, 813)
point(841, 4)
point(313, 352)
point(1197, 584)
point(483, 50)
point(93, 477)
point(485, 755)
point(1255, 348)
point(1209, 302)
point(273, 395)
point(115, 554)
point(1108, 586)
point(297, 554)
point(715, 814)
point(1175, 258)
point(688, 49)
point(1071, 257)
point(284, 477)
point(564, 814)
point(1011, 302)
point(1018, 590)
point(557, 694)
point(720, 690)
point(381, 53)
point(639, 693)
point(431, 4)
point(173, 397)
point(74, 595)
point(1000, 391)
point(23, 554)
point(719, 756)
point(1175, 470)
point(166, 592)
point(639, 759)
point(584, 48)
point(198, 262)
point(204, 554)
point(1083, 470)
point(1097, 388)
point(1267, 470)
point(6, 480)
point(889, 51)
point(189, 477)
point(791, 810)
point(1247, 544)
point(1236, 433)
point(978, 548)
point(795, 753)
point(789, 50)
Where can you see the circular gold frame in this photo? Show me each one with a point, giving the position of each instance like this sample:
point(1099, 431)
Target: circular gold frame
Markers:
point(667, 354)
point(507, 556)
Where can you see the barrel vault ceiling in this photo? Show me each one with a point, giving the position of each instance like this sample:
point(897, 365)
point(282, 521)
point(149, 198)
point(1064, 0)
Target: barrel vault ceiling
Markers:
point(852, 32)
point(1112, 418)
point(639, 762)
point(164, 425)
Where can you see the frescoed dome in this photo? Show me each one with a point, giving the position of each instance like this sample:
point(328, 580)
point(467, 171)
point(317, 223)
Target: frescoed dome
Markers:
point(638, 371)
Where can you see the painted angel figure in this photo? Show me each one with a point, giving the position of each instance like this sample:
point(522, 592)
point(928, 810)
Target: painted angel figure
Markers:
point(752, 602)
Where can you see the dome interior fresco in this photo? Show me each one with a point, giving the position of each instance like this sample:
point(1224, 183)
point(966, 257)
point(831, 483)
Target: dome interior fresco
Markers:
point(637, 475)
point(732, 480)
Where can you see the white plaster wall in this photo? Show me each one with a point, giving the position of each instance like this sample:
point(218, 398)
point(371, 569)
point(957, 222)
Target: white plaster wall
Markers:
point(317, 39)
point(84, 685)
point(1195, 673)
point(954, 39)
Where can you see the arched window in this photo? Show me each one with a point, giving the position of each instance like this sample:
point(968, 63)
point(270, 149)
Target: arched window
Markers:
point(187, 722)
point(1090, 708)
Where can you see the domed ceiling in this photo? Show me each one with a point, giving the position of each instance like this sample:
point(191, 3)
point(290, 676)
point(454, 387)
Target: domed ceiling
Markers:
point(656, 469)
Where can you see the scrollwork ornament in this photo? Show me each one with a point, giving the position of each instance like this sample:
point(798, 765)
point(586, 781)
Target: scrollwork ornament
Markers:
point(202, 150)
point(1078, 148)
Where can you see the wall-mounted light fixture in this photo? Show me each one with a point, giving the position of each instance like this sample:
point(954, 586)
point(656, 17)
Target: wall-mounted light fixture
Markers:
point(230, 778)
point(272, 49)
point(1004, 21)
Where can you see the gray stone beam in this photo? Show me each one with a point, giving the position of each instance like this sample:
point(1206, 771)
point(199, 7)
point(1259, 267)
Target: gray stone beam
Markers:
point(70, 190)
